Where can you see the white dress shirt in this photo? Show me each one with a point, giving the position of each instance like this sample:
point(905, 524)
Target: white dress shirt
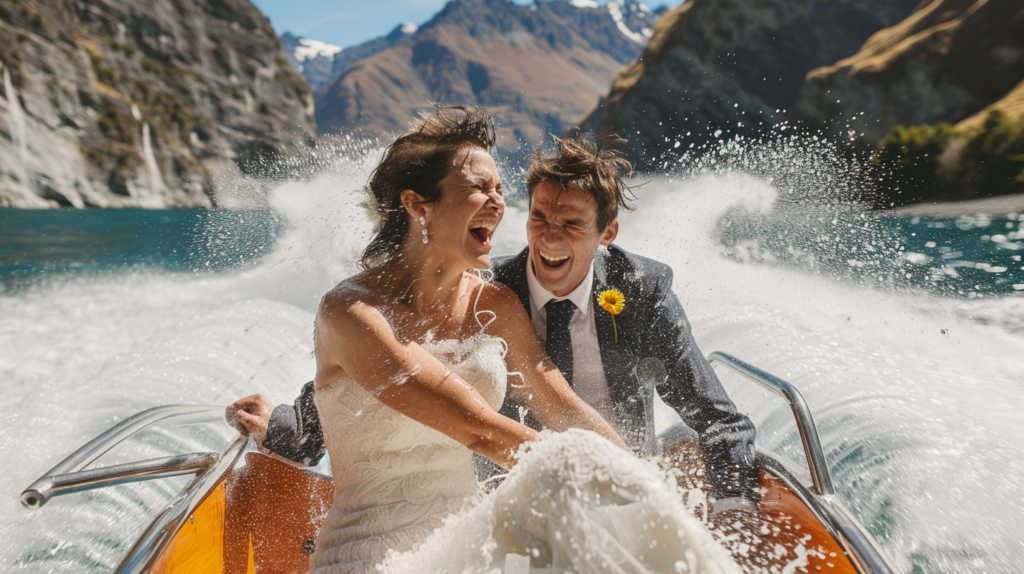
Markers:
point(588, 371)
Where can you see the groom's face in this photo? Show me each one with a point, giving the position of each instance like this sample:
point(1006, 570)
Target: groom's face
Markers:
point(563, 235)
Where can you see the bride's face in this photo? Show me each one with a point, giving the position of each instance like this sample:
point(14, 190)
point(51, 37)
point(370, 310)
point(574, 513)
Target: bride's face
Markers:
point(461, 223)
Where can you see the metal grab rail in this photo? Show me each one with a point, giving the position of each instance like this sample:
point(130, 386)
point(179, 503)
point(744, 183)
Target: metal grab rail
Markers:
point(805, 423)
point(54, 485)
point(67, 476)
point(149, 547)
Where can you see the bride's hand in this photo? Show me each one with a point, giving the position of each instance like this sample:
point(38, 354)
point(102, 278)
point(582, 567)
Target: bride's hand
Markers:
point(250, 415)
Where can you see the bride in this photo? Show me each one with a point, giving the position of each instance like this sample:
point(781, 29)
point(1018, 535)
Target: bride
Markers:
point(413, 356)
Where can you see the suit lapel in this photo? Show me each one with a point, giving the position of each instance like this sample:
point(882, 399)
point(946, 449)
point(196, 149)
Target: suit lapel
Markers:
point(512, 273)
point(617, 358)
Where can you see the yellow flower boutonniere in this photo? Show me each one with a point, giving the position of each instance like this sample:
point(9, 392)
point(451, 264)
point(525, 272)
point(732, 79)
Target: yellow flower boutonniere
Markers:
point(612, 301)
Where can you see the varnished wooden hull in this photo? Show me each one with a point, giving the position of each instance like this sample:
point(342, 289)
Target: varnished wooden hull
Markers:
point(263, 517)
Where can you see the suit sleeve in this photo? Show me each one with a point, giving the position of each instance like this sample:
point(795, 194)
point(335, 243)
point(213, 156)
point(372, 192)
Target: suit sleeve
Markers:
point(691, 388)
point(294, 430)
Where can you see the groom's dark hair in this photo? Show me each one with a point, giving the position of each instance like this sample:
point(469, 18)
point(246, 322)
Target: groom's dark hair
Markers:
point(418, 160)
point(580, 163)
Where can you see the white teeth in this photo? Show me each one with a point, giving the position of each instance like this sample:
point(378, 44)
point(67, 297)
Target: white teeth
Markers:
point(488, 225)
point(553, 258)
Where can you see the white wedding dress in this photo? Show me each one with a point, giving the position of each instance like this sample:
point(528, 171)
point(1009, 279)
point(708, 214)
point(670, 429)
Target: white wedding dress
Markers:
point(407, 500)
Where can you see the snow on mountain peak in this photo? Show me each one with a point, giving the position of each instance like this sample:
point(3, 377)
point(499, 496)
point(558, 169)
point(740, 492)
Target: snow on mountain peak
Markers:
point(309, 49)
point(583, 3)
point(615, 10)
point(409, 28)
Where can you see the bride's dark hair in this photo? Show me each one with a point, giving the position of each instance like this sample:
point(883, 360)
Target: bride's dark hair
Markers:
point(418, 160)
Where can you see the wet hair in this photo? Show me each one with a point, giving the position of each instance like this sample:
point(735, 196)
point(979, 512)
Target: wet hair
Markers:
point(580, 163)
point(418, 160)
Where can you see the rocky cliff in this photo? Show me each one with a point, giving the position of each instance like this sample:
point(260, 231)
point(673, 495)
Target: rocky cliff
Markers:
point(535, 67)
point(731, 65)
point(946, 62)
point(114, 103)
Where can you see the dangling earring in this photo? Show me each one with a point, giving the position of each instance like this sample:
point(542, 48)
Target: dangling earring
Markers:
point(423, 222)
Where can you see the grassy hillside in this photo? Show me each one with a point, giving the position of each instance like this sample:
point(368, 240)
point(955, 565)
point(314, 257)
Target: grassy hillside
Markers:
point(942, 163)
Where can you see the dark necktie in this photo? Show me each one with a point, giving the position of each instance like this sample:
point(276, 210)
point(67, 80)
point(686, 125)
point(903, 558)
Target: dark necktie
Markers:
point(559, 342)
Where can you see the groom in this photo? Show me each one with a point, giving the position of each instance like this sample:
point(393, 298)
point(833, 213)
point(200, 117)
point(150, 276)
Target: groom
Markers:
point(614, 362)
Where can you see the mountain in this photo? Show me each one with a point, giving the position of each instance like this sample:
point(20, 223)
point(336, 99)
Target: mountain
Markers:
point(536, 67)
point(320, 63)
point(167, 103)
point(945, 63)
point(1012, 104)
point(731, 65)
point(310, 58)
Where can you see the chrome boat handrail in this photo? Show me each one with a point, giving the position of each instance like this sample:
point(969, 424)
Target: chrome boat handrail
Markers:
point(827, 508)
point(838, 521)
point(69, 469)
point(805, 423)
point(54, 485)
point(210, 468)
point(161, 531)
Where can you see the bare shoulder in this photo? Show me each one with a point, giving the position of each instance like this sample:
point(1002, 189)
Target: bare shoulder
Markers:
point(510, 318)
point(498, 297)
point(353, 301)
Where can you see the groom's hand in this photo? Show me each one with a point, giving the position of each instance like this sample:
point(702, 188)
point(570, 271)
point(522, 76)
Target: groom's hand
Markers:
point(250, 415)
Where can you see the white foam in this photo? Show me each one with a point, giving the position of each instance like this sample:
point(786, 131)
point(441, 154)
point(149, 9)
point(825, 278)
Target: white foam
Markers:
point(595, 507)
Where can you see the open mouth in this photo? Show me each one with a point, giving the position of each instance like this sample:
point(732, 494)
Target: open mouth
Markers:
point(553, 261)
point(482, 231)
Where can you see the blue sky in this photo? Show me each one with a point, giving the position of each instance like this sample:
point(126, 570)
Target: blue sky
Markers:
point(345, 22)
point(350, 22)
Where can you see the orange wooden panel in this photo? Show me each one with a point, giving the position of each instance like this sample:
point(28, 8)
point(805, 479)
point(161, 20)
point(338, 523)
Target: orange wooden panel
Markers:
point(274, 512)
point(198, 546)
point(263, 518)
point(792, 524)
point(787, 529)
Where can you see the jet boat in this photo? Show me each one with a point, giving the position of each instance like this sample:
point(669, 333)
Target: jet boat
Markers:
point(245, 512)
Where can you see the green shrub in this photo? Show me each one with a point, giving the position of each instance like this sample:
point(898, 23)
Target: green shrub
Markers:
point(988, 160)
point(103, 73)
point(117, 125)
point(909, 160)
point(991, 161)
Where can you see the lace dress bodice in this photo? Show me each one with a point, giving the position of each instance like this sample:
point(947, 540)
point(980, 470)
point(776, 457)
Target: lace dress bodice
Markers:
point(395, 479)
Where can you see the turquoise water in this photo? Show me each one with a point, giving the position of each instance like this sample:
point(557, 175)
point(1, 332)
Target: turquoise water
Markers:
point(974, 256)
point(969, 256)
point(40, 244)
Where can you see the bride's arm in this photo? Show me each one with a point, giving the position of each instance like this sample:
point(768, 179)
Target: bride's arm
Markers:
point(355, 339)
point(543, 387)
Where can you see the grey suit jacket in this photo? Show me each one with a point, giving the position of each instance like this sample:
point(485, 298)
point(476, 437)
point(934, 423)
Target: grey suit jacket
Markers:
point(655, 353)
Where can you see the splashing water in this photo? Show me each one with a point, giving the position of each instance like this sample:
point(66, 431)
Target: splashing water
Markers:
point(917, 395)
point(156, 181)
